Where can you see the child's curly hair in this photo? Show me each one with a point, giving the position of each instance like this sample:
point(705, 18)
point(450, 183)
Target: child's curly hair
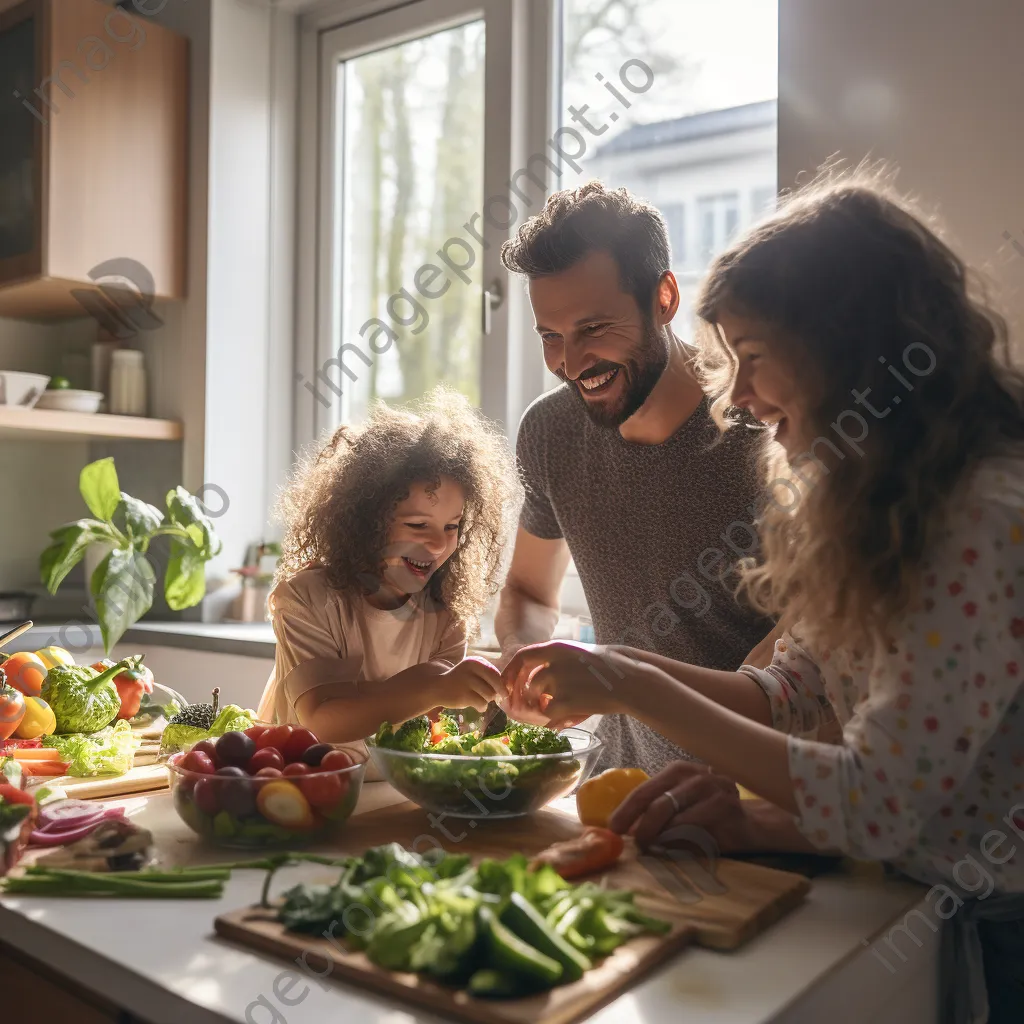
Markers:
point(338, 506)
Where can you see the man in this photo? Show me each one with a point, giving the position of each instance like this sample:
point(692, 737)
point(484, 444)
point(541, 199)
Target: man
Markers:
point(625, 471)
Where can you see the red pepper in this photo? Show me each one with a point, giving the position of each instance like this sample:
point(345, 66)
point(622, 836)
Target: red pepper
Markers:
point(131, 684)
point(13, 795)
point(12, 708)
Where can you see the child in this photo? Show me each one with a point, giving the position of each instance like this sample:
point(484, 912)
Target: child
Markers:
point(893, 548)
point(394, 541)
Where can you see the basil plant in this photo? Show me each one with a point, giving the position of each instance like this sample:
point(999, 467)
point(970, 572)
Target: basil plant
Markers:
point(122, 585)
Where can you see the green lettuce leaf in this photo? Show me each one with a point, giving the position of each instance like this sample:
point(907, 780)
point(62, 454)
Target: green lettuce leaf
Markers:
point(110, 751)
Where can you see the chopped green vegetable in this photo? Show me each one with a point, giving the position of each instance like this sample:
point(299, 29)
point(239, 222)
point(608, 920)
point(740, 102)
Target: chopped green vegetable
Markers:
point(536, 739)
point(488, 928)
point(108, 751)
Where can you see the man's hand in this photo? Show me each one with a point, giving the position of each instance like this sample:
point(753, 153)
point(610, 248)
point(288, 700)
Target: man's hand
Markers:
point(686, 793)
point(567, 682)
point(473, 683)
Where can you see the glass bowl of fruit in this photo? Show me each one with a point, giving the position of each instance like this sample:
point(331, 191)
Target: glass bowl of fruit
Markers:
point(268, 786)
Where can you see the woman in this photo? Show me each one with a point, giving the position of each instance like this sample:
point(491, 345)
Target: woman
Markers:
point(892, 547)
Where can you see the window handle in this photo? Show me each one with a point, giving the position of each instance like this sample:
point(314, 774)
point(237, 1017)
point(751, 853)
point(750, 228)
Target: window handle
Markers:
point(492, 300)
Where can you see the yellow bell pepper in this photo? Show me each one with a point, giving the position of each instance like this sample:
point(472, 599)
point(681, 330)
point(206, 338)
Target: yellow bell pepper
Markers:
point(39, 719)
point(598, 797)
point(51, 657)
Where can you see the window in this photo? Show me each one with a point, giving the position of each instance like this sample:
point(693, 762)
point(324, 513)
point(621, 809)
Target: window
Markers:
point(762, 200)
point(719, 219)
point(675, 221)
point(409, 150)
point(407, 233)
point(679, 103)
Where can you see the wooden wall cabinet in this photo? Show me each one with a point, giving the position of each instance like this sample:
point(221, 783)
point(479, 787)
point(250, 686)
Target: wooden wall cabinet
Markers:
point(93, 162)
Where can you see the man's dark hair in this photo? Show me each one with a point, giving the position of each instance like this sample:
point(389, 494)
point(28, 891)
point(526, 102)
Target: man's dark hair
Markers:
point(578, 221)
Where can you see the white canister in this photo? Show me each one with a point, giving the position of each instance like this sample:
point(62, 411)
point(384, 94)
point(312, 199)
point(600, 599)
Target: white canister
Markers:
point(127, 383)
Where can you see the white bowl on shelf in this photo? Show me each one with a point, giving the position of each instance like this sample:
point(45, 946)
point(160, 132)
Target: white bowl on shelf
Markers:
point(21, 389)
point(70, 400)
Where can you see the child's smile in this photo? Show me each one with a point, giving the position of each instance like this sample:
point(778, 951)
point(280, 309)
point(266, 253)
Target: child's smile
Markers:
point(424, 533)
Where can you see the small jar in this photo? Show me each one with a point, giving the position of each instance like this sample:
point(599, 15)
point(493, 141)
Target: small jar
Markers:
point(127, 383)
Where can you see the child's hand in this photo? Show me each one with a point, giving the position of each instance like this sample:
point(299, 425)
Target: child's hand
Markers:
point(566, 682)
point(473, 683)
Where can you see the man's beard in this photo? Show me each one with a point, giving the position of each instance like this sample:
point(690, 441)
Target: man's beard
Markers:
point(642, 370)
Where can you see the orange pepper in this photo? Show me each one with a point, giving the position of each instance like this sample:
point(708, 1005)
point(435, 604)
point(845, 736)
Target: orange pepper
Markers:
point(598, 797)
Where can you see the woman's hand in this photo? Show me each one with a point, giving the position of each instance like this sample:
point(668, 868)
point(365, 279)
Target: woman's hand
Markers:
point(473, 683)
point(686, 793)
point(562, 683)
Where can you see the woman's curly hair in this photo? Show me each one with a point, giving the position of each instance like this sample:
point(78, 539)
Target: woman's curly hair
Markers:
point(850, 282)
point(339, 504)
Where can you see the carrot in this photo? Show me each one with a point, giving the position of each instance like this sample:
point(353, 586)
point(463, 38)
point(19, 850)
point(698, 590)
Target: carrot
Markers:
point(36, 754)
point(46, 768)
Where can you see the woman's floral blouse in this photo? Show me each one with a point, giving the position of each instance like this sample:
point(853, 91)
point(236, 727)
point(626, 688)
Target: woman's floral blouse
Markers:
point(931, 764)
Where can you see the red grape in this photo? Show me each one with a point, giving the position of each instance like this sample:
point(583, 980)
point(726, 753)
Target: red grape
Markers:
point(208, 747)
point(235, 748)
point(315, 754)
point(205, 796)
point(198, 761)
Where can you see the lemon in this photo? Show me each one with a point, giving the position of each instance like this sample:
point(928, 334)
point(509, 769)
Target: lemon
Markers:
point(52, 656)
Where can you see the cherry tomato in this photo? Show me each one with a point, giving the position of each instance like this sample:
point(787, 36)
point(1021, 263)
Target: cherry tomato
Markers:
point(254, 732)
point(276, 736)
point(198, 761)
point(296, 768)
point(266, 757)
point(336, 759)
point(324, 790)
point(593, 850)
point(268, 773)
point(297, 744)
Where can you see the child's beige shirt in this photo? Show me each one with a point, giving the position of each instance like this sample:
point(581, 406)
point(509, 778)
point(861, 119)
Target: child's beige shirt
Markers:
point(329, 639)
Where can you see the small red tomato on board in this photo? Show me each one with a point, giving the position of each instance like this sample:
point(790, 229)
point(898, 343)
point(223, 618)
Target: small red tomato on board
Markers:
point(267, 757)
point(594, 850)
point(324, 790)
point(276, 736)
point(336, 759)
point(254, 732)
point(298, 743)
point(296, 768)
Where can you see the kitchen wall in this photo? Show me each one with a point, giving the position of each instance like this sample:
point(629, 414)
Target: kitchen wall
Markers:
point(937, 87)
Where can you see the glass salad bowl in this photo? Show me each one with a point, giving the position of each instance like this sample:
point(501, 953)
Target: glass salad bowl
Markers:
point(234, 808)
point(487, 786)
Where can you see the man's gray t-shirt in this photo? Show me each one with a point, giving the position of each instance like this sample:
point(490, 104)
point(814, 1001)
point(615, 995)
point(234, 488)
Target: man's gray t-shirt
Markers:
point(655, 532)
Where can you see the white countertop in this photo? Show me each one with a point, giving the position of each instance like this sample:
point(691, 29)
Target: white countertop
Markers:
point(161, 961)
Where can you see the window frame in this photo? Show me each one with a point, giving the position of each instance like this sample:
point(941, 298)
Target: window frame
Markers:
point(519, 80)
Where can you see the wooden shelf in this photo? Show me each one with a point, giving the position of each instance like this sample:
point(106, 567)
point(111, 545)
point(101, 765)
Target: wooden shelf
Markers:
point(52, 425)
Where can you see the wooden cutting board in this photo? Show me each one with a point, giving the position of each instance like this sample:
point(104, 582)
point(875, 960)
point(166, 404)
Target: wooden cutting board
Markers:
point(717, 904)
point(140, 779)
